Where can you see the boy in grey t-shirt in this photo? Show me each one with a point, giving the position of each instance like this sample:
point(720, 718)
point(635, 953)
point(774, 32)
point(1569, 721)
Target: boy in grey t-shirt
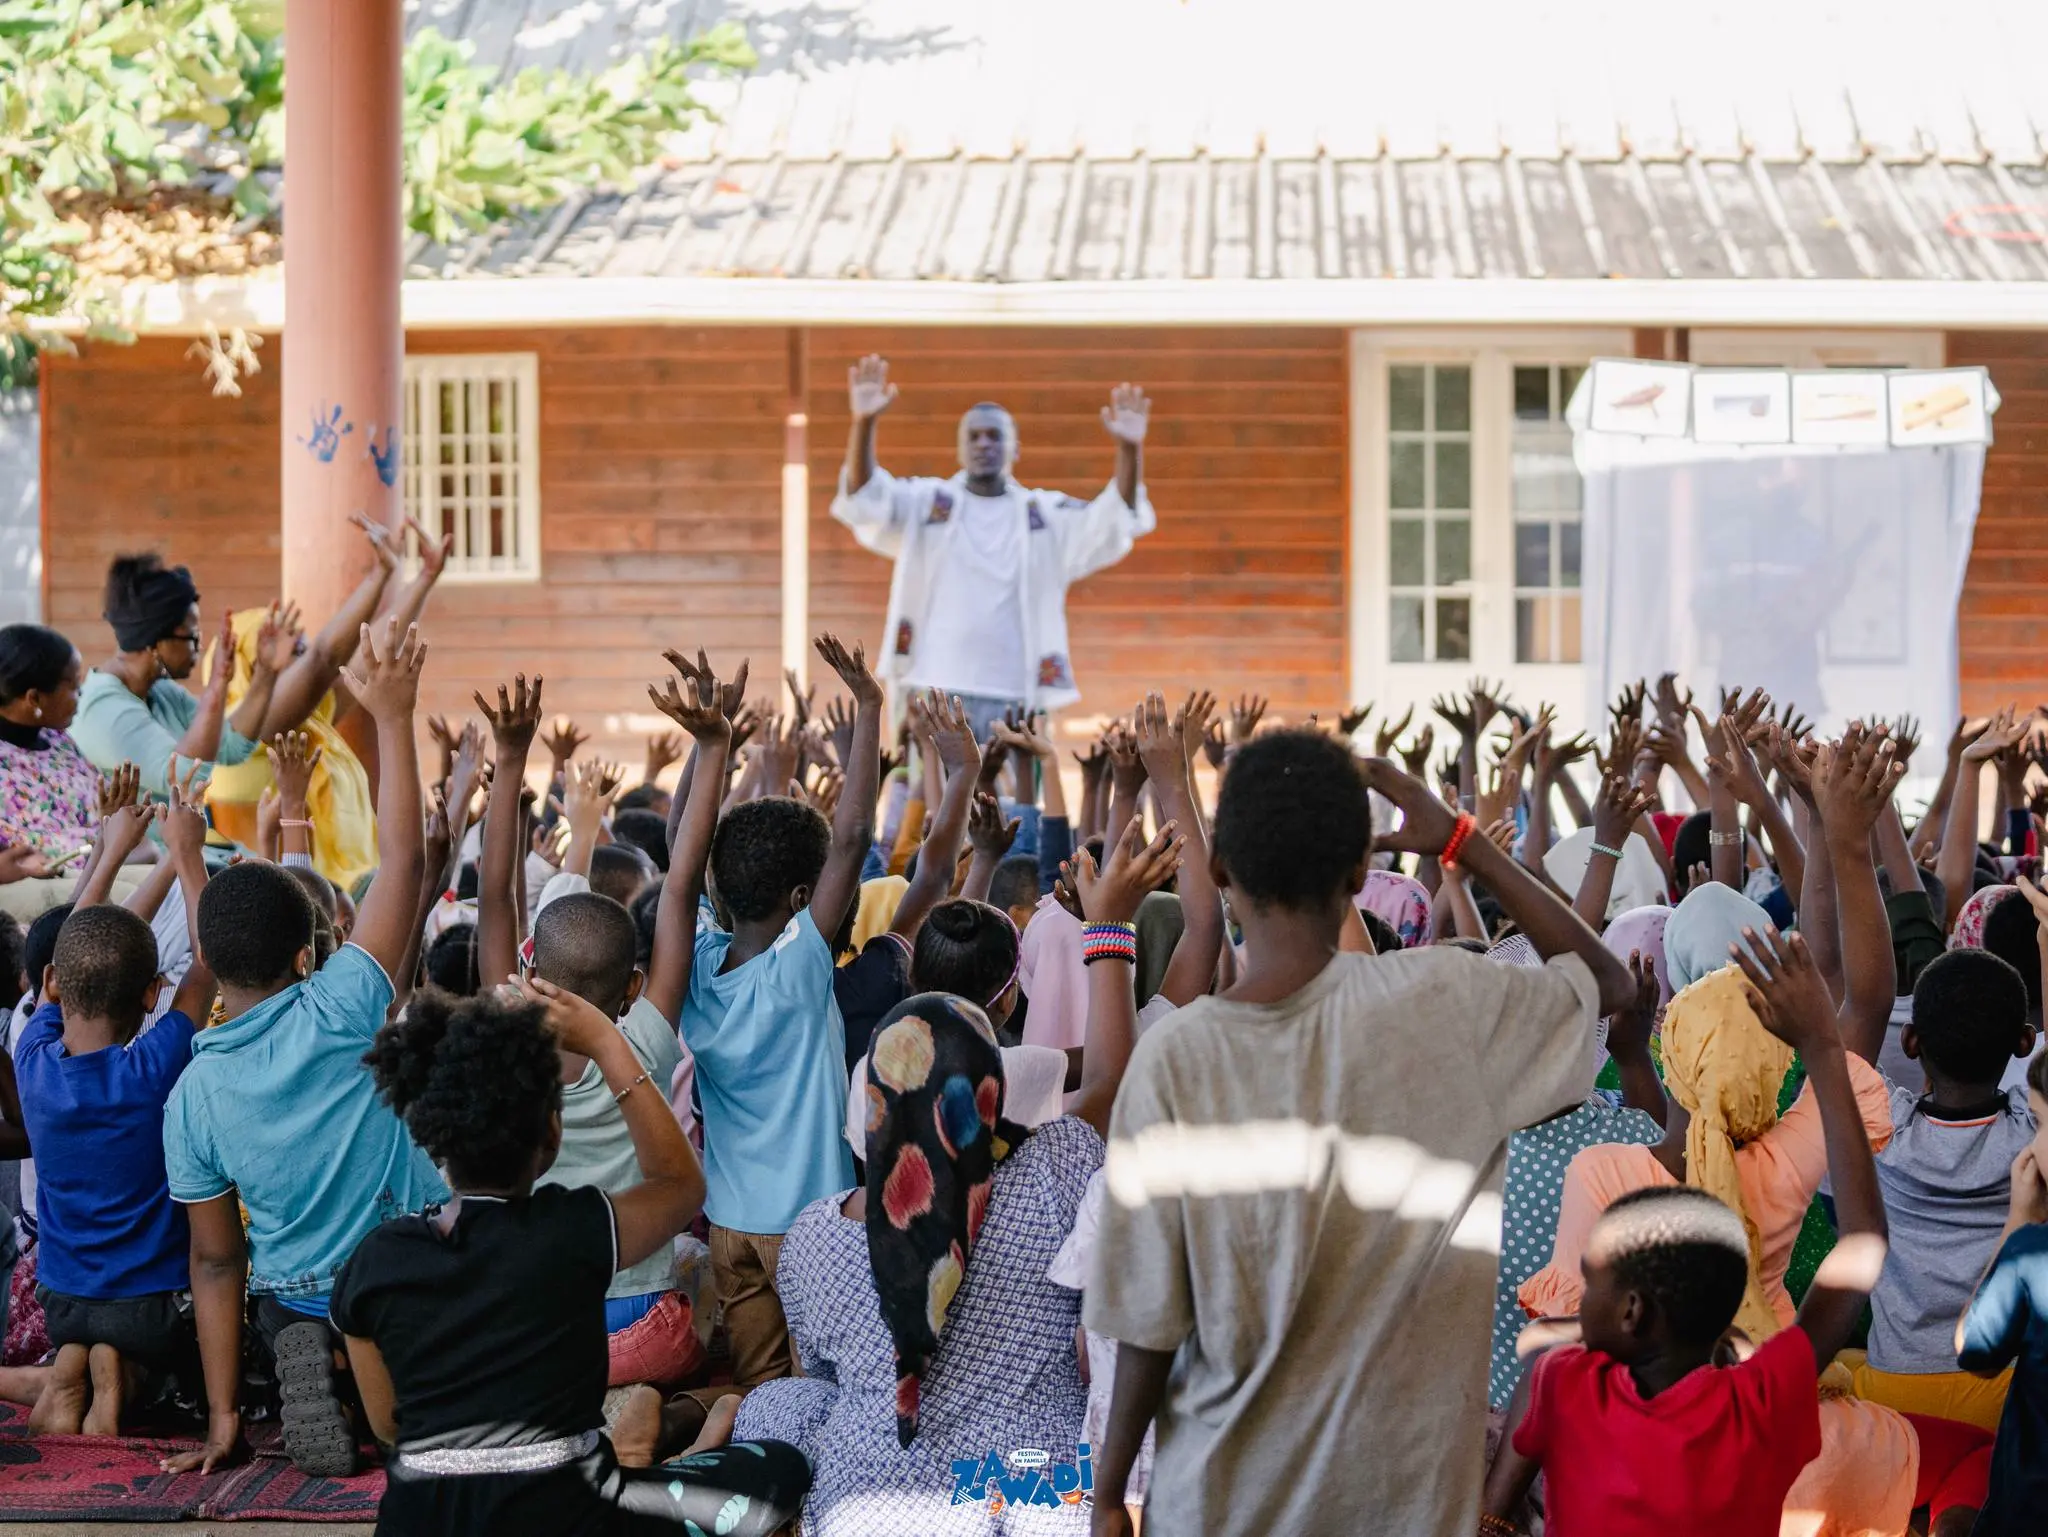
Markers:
point(1946, 1177)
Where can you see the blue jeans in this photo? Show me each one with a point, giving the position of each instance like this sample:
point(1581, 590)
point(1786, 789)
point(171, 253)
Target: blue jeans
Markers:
point(984, 711)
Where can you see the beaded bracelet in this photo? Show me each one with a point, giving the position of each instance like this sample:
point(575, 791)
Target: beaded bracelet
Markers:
point(1460, 834)
point(1601, 848)
point(1109, 942)
point(295, 822)
point(1494, 1526)
point(1724, 840)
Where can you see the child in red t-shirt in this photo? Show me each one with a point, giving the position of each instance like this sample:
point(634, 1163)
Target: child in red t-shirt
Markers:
point(1651, 1425)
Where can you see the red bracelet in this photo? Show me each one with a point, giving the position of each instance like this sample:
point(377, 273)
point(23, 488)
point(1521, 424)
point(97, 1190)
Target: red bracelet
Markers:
point(1459, 834)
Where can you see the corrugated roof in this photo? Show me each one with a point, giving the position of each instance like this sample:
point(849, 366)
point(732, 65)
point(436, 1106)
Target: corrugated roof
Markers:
point(1131, 140)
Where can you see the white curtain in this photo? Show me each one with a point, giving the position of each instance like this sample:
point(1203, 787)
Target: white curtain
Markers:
point(1827, 577)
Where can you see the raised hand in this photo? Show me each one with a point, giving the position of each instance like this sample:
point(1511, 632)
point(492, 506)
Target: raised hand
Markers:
point(987, 833)
point(1031, 736)
point(1459, 714)
point(433, 553)
point(839, 727)
point(516, 718)
point(1126, 767)
point(379, 535)
point(1737, 765)
point(1132, 871)
point(587, 795)
point(1853, 780)
point(2000, 733)
point(1628, 1032)
point(1786, 990)
point(1553, 758)
point(386, 676)
point(1350, 720)
point(184, 816)
point(1617, 808)
point(1245, 716)
point(699, 705)
point(852, 667)
point(663, 749)
point(439, 838)
point(293, 757)
point(1193, 721)
point(803, 699)
point(1628, 705)
point(442, 735)
point(1215, 745)
point(952, 736)
point(1796, 726)
point(563, 741)
point(118, 789)
point(868, 390)
point(1159, 746)
point(580, 1026)
point(1127, 414)
point(1426, 822)
point(466, 772)
point(1095, 761)
point(1739, 714)
point(1488, 700)
point(1415, 756)
point(1672, 708)
point(277, 638)
point(1389, 732)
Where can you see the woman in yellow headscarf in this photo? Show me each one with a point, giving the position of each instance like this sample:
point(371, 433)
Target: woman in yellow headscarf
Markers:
point(310, 696)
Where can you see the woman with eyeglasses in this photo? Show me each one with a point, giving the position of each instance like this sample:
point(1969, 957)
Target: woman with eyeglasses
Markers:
point(134, 707)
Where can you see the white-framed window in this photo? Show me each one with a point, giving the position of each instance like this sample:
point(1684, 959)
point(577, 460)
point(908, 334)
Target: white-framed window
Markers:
point(1429, 512)
point(470, 462)
point(1546, 495)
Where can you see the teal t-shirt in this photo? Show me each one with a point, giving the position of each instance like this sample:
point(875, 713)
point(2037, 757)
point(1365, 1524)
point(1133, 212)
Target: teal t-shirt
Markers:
point(770, 1050)
point(113, 727)
point(278, 1107)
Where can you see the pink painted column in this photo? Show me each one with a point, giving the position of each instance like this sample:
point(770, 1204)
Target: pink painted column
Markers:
point(344, 344)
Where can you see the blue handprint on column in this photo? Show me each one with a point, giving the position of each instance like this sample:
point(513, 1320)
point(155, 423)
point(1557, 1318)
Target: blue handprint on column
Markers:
point(384, 453)
point(328, 431)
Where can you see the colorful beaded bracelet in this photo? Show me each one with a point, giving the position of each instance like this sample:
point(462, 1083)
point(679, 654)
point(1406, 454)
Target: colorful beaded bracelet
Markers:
point(1109, 942)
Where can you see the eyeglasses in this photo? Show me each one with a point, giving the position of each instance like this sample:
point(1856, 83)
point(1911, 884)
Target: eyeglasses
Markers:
point(187, 636)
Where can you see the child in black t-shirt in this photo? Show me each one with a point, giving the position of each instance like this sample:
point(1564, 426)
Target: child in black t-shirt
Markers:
point(477, 1331)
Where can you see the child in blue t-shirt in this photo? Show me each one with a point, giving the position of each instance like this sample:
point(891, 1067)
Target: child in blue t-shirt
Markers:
point(761, 1022)
point(113, 1278)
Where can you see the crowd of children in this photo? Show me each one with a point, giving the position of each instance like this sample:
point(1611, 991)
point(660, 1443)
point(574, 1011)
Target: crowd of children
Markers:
point(850, 1139)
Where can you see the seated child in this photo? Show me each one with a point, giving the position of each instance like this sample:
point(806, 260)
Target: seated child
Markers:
point(276, 1114)
point(2007, 1322)
point(1946, 1178)
point(477, 1329)
point(113, 1279)
point(765, 1033)
point(1647, 1426)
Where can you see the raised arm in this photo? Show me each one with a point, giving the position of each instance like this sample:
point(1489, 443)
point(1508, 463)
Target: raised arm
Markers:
point(671, 1189)
point(1852, 784)
point(386, 682)
point(201, 738)
point(184, 824)
point(500, 861)
point(123, 826)
point(311, 673)
point(1162, 744)
point(1739, 765)
point(1621, 802)
point(853, 822)
point(951, 740)
point(275, 640)
point(1134, 869)
point(1790, 999)
point(1936, 816)
point(698, 709)
point(1551, 927)
point(1959, 834)
point(1125, 419)
point(869, 393)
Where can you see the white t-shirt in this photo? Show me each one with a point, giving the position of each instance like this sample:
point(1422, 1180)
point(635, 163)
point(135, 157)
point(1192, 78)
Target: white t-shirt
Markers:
point(973, 641)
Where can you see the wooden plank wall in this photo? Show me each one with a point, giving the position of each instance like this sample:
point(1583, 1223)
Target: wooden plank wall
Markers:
point(2003, 621)
point(1243, 584)
point(661, 455)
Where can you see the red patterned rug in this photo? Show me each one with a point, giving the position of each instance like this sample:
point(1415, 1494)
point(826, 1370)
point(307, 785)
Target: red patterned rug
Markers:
point(84, 1478)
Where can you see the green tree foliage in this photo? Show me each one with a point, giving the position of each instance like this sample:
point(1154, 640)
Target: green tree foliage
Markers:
point(118, 98)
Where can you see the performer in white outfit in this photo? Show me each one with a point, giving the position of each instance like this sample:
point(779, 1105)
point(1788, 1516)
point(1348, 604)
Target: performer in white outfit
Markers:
point(978, 604)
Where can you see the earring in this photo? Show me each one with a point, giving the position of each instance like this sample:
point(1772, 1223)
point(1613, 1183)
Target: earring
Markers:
point(39, 712)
